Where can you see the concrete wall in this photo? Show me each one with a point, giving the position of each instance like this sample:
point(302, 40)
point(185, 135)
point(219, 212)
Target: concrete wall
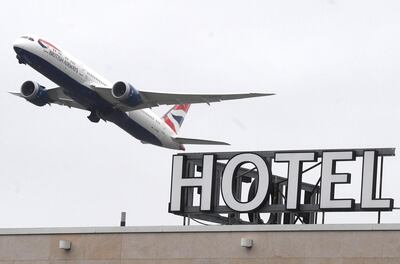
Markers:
point(197, 244)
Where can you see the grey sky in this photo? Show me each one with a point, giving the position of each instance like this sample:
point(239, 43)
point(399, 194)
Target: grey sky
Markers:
point(333, 64)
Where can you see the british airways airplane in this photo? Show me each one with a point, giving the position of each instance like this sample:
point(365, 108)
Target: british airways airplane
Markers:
point(120, 103)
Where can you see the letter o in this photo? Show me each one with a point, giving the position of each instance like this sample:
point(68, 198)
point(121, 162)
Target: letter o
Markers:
point(263, 182)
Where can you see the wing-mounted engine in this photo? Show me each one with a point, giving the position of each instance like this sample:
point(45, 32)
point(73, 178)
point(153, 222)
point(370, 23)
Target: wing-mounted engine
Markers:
point(126, 93)
point(34, 93)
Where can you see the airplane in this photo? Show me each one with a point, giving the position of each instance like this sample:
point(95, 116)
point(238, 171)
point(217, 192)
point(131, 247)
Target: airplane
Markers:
point(120, 103)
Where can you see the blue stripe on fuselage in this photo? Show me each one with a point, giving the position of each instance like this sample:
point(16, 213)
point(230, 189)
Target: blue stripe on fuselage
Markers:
point(87, 97)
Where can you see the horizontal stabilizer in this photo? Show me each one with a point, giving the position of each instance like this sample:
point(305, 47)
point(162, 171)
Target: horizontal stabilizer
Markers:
point(192, 141)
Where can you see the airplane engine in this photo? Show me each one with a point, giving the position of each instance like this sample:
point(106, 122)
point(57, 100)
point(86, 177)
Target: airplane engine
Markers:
point(126, 93)
point(34, 93)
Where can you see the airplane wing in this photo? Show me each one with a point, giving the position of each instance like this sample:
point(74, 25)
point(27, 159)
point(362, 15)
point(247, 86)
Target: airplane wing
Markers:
point(57, 96)
point(155, 99)
point(152, 99)
point(193, 141)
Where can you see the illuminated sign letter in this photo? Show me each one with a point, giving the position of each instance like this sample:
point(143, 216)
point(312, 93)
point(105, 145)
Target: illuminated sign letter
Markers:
point(179, 182)
point(263, 182)
point(329, 178)
point(368, 191)
point(295, 161)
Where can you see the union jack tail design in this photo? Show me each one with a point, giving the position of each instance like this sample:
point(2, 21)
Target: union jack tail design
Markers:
point(174, 117)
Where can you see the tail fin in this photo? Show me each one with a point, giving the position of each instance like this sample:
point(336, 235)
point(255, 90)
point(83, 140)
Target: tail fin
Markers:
point(175, 116)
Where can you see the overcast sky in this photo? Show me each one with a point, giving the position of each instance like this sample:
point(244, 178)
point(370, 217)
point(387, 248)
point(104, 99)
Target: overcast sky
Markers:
point(333, 64)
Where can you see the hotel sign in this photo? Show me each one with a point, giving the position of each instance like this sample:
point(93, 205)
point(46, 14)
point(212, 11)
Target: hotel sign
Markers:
point(219, 174)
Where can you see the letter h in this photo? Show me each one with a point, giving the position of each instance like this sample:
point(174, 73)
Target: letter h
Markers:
point(179, 181)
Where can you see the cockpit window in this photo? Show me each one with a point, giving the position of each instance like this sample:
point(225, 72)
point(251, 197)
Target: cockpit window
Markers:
point(29, 38)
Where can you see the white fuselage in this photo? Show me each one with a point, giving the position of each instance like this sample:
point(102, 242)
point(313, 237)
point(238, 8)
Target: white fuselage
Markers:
point(75, 78)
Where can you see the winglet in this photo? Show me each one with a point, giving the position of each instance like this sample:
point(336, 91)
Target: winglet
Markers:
point(263, 94)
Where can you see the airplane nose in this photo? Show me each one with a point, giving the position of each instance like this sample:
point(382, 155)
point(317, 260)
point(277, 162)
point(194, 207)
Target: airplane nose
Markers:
point(18, 44)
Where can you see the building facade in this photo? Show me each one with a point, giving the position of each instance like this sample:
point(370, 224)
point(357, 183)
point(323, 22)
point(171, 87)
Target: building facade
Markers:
point(274, 244)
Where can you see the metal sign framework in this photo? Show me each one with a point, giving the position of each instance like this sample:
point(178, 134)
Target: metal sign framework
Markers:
point(278, 214)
